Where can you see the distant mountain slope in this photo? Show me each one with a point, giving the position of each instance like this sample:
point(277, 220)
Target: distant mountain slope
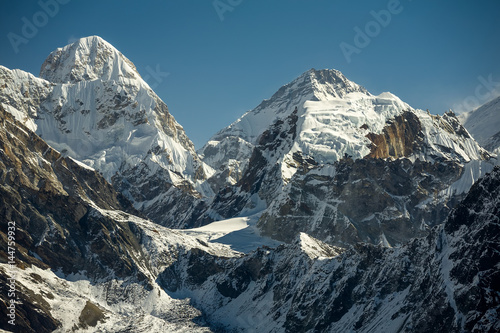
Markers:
point(91, 104)
point(484, 124)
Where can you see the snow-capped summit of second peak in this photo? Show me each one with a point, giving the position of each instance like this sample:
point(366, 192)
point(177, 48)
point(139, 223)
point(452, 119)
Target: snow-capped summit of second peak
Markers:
point(331, 83)
point(87, 59)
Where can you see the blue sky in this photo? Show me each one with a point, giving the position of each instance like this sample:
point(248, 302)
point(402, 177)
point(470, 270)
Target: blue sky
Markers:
point(223, 57)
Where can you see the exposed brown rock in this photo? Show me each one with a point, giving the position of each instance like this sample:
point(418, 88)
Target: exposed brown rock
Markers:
point(400, 138)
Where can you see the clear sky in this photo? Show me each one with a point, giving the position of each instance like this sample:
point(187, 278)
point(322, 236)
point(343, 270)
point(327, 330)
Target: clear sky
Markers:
point(224, 57)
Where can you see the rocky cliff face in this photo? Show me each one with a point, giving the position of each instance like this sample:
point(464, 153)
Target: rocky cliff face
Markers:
point(369, 200)
point(401, 137)
point(446, 281)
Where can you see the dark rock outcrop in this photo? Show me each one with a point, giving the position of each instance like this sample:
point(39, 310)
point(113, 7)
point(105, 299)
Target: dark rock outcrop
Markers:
point(362, 200)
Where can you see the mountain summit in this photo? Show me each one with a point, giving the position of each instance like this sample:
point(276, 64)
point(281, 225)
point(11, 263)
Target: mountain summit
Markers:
point(87, 59)
point(313, 85)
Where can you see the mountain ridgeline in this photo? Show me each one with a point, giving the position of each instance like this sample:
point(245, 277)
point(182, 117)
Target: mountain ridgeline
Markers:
point(321, 156)
point(388, 215)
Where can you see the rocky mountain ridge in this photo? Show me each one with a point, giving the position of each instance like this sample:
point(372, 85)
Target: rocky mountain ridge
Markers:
point(445, 282)
point(84, 260)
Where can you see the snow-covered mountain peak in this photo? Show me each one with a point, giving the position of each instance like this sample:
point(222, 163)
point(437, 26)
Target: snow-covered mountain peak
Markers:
point(322, 116)
point(323, 84)
point(316, 85)
point(92, 105)
point(315, 248)
point(87, 59)
point(312, 85)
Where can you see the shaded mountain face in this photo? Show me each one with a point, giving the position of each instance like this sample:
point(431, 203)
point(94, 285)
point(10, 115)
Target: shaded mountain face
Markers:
point(83, 258)
point(53, 198)
point(484, 125)
point(91, 104)
point(447, 281)
point(325, 157)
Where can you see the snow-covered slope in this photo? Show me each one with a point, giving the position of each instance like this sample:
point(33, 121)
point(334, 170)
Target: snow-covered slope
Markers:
point(240, 233)
point(483, 124)
point(92, 105)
